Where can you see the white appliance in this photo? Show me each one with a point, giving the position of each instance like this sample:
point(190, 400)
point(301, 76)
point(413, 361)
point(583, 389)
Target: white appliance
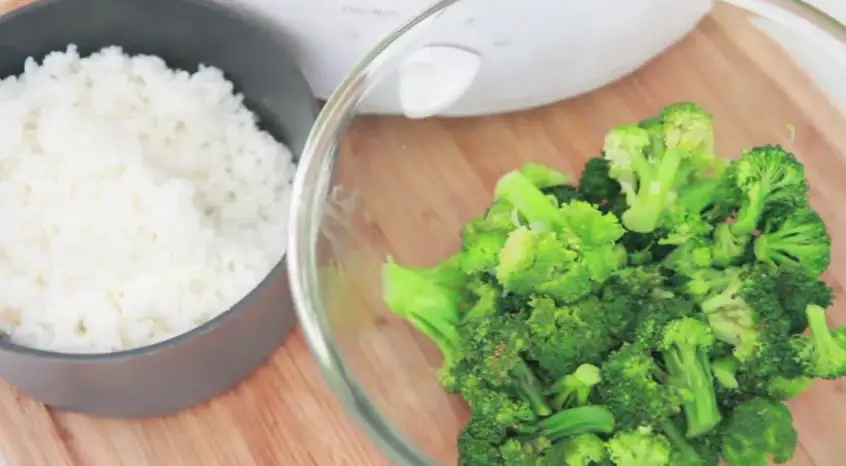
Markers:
point(482, 56)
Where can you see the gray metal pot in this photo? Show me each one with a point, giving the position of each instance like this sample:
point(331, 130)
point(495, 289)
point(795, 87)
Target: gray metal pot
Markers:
point(210, 359)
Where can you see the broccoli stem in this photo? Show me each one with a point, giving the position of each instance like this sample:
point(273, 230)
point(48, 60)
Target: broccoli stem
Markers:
point(529, 389)
point(644, 214)
point(672, 431)
point(748, 216)
point(689, 367)
point(519, 191)
point(829, 356)
point(574, 421)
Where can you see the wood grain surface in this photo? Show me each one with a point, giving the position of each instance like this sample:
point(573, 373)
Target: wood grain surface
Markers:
point(415, 183)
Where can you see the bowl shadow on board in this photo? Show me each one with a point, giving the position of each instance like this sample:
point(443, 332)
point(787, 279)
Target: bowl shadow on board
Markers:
point(210, 359)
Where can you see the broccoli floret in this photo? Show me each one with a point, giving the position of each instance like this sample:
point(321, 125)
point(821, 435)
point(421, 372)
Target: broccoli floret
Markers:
point(429, 300)
point(727, 248)
point(739, 383)
point(537, 208)
point(685, 349)
point(535, 261)
point(591, 328)
point(739, 313)
point(801, 239)
point(757, 430)
point(823, 353)
point(478, 442)
point(655, 314)
point(519, 452)
point(483, 237)
point(580, 450)
point(630, 390)
point(566, 263)
point(651, 163)
point(492, 350)
point(641, 446)
point(767, 178)
point(574, 389)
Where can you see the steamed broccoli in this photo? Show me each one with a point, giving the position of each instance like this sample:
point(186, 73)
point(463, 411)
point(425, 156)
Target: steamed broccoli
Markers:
point(591, 332)
point(654, 313)
point(429, 299)
point(824, 355)
point(801, 238)
point(651, 163)
point(758, 430)
point(631, 390)
point(580, 450)
point(767, 179)
point(639, 447)
point(566, 262)
point(685, 348)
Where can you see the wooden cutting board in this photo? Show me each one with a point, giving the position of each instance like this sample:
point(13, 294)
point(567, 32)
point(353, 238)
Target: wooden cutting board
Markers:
point(285, 415)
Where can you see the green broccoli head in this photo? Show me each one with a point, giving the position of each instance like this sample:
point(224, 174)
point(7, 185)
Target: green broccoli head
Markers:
point(478, 442)
point(629, 389)
point(758, 430)
point(744, 311)
point(641, 446)
point(653, 160)
point(727, 249)
point(484, 236)
point(768, 178)
point(823, 353)
point(689, 128)
point(581, 450)
point(591, 332)
point(519, 452)
point(565, 263)
point(492, 350)
point(801, 239)
point(535, 261)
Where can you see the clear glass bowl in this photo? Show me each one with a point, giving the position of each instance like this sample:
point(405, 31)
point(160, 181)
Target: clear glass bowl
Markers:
point(373, 186)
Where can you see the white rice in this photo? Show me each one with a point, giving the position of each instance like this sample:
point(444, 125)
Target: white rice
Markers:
point(136, 202)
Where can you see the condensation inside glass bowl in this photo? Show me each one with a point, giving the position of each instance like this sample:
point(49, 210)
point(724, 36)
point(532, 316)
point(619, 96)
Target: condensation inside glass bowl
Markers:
point(404, 188)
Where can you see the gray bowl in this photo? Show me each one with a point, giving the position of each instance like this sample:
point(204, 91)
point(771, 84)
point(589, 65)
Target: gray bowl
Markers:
point(212, 358)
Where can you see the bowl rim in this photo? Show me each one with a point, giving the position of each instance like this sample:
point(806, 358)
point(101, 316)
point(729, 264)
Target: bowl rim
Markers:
point(312, 183)
point(232, 12)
